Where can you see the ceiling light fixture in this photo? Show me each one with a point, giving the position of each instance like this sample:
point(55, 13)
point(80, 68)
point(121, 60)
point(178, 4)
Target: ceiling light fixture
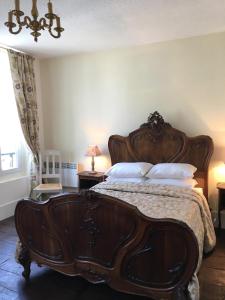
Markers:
point(33, 23)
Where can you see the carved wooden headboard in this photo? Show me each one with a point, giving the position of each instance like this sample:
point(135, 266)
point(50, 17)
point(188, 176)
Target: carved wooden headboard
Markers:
point(157, 141)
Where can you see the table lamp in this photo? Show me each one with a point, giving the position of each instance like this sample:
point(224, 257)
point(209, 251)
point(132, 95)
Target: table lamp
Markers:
point(93, 151)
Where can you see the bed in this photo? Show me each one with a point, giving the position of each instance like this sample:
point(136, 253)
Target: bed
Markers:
point(110, 234)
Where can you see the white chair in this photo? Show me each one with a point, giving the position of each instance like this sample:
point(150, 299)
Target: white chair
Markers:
point(50, 166)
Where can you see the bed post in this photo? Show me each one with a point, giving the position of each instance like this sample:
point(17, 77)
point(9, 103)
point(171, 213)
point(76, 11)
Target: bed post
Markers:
point(23, 258)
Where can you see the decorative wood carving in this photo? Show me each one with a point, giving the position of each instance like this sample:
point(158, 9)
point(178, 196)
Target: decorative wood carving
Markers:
point(157, 141)
point(151, 250)
point(86, 221)
point(89, 223)
point(132, 253)
point(107, 240)
point(156, 123)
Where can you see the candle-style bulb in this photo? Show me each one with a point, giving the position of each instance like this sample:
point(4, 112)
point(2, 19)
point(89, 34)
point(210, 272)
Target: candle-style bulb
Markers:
point(17, 4)
point(34, 10)
point(10, 17)
point(50, 10)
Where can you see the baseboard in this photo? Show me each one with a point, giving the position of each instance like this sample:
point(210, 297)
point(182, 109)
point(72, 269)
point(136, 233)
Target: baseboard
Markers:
point(7, 210)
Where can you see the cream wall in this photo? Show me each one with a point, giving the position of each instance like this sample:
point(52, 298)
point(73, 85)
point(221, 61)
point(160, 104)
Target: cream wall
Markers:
point(88, 97)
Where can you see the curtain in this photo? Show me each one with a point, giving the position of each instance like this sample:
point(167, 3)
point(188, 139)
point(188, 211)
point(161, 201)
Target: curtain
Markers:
point(22, 70)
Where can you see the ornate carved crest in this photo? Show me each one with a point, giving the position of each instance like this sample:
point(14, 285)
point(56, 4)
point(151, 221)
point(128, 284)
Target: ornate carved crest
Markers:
point(89, 223)
point(156, 122)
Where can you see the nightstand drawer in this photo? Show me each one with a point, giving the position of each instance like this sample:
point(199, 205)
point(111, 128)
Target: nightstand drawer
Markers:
point(87, 183)
point(88, 179)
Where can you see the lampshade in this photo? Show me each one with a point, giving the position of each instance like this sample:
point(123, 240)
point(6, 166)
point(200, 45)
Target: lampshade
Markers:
point(93, 150)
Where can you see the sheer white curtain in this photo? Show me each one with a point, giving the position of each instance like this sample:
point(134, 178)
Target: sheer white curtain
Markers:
point(12, 144)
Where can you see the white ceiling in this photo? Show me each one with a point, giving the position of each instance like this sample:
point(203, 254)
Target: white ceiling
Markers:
point(92, 25)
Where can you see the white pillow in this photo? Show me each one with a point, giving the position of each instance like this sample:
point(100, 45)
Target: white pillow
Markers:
point(129, 170)
point(111, 179)
point(189, 183)
point(171, 171)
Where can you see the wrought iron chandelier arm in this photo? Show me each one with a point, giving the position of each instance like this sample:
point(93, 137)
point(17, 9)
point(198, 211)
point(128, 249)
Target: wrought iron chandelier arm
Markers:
point(56, 36)
point(17, 14)
point(26, 22)
point(43, 23)
point(58, 28)
point(15, 32)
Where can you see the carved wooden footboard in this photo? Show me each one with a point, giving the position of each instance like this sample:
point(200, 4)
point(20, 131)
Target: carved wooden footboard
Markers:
point(104, 239)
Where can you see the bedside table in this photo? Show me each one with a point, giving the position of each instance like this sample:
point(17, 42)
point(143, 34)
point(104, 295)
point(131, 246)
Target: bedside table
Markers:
point(221, 200)
point(87, 179)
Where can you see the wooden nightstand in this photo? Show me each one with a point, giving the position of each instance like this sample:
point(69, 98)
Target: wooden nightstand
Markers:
point(221, 200)
point(87, 180)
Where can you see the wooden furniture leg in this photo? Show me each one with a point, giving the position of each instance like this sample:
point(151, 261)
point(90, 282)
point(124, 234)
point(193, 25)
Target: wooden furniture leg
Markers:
point(25, 261)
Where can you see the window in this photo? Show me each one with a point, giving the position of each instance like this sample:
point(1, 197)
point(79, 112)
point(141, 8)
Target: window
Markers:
point(11, 137)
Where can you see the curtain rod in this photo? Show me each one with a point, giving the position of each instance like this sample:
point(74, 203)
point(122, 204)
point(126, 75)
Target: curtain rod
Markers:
point(16, 50)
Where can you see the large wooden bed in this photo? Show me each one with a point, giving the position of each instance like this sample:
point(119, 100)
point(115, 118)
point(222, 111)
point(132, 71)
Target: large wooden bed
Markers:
point(106, 240)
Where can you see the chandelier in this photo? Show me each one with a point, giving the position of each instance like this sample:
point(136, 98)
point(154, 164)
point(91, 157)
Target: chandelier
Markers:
point(15, 24)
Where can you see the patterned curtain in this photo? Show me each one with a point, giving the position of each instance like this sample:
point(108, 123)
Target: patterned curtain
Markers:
point(22, 69)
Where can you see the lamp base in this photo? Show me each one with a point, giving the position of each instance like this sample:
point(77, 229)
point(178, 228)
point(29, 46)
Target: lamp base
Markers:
point(92, 166)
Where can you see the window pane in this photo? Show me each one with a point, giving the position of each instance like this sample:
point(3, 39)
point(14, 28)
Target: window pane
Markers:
point(8, 160)
point(9, 154)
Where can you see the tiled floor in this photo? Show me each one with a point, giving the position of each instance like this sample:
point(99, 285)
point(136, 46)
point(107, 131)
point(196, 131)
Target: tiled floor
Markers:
point(49, 285)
